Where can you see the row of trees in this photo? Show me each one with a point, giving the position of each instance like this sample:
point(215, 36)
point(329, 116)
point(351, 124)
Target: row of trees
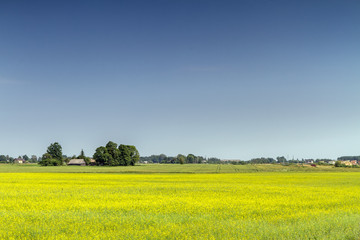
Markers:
point(191, 158)
point(8, 159)
point(180, 158)
point(281, 160)
point(349, 158)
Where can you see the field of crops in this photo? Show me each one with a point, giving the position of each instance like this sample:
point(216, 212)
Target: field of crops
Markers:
point(173, 168)
point(261, 205)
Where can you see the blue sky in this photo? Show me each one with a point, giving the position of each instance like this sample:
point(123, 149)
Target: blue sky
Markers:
point(227, 79)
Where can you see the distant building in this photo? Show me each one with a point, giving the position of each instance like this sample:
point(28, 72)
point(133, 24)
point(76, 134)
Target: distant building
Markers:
point(354, 162)
point(92, 162)
point(19, 161)
point(77, 162)
point(346, 163)
point(332, 162)
point(309, 161)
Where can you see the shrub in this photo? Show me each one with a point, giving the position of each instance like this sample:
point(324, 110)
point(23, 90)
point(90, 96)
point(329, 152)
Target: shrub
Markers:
point(50, 162)
point(338, 164)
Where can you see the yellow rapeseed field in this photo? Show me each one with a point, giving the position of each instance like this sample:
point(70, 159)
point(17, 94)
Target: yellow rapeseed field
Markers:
point(323, 205)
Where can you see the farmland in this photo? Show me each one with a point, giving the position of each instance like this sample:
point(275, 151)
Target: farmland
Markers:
point(161, 202)
point(172, 168)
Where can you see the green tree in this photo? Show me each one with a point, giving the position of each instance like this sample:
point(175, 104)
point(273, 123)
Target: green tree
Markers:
point(3, 158)
point(33, 158)
point(162, 158)
point(125, 157)
point(55, 150)
point(101, 156)
point(134, 153)
point(190, 158)
point(25, 157)
point(50, 162)
point(53, 156)
point(46, 156)
point(338, 164)
point(114, 152)
point(181, 158)
point(281, 159)
point(129, 155)
point(82, 154)
point(111, 155)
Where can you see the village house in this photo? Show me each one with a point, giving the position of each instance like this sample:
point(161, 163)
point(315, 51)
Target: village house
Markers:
point(309, 161)
point(354, 162)
point(77, 162)
point(346, 163)
point(19, 161)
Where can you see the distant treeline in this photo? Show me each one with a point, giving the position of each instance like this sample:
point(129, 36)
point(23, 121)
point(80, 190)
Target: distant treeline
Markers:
point(180, 158)
point(346, 158)
point(8, 159)
point(282, 160)
point(191, 158)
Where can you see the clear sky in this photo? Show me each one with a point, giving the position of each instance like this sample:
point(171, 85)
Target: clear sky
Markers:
point(227, 79)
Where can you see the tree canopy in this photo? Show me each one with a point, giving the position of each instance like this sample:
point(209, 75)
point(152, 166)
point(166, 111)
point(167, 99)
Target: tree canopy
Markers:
point(345, 158)
point(53, 156)
point(3, 158)
point(55, 150)
point(112, 155)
